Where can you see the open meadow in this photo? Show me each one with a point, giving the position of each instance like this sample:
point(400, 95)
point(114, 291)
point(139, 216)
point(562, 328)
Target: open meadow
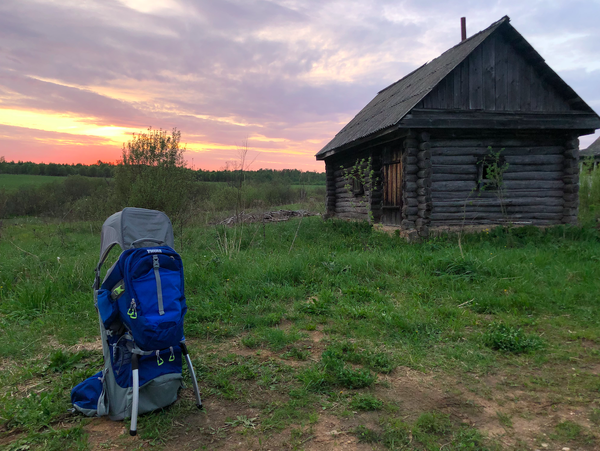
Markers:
point(320, 335)
point(12, 182)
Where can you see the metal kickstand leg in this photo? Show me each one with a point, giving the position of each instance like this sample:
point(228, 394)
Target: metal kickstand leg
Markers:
point(136, 394)
point(184, 351)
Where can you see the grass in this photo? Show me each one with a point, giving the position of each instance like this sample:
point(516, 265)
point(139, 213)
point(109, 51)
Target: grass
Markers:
point(11, 182)
point(520, 304)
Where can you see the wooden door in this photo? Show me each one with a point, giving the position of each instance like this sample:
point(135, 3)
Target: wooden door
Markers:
point(392, 187)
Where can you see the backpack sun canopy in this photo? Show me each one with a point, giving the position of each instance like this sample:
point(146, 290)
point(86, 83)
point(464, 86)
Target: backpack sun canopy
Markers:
point(132, 227)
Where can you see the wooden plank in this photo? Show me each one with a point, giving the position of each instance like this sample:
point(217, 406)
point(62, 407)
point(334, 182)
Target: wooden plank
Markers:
point(482, 151)
point(513, 168)
point(453, 177)
point(489, 74)
point(499, 120)
point(498, 141)
point(438, 160)
point(534, 159)
point(508, 193)
point(491, 216)
point(513, 103)
point(456, 169)
point(464, 85)
point(535, 90)
point(501, 69)
point(533, 176)
point(519, 201)
point(533, 184)
point(455, 88)
point(509, 210)
point(453, 186)
point(490, 222)
point(475, 79)
point(525, 86)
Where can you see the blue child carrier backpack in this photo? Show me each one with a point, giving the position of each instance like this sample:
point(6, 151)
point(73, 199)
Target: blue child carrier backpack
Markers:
point(141, 306)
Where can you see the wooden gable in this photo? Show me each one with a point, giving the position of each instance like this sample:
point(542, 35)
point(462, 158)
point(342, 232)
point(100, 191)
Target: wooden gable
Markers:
point(498, 76)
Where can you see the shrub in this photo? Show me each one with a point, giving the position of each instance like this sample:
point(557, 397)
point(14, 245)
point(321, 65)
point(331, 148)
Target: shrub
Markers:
point(501, 337)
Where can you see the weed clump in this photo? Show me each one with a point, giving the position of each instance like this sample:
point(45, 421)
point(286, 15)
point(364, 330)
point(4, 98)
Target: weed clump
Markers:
point(366, 435)
point(350, 352)
point(342, 375)
point(509, 339)
point(366, 402)
point(434, 423)
point(333, 371)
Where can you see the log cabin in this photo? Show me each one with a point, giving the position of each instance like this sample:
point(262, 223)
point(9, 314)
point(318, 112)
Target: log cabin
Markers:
point(487, 133)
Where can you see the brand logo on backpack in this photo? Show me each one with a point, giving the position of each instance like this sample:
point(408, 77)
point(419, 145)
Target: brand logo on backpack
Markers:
point(154, 251)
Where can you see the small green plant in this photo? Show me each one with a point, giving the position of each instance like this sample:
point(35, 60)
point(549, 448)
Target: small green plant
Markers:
point(468, 439)
point(396, 434)
point(434, 423)
point(351, 352)
point(342, 375)
point(504, 419)
point(296, 353)
point(567, 430)
point(501, 337)
point(366, 402)
point(366, 435)
point(595, 416)
point(274, 339)
point(244, 421)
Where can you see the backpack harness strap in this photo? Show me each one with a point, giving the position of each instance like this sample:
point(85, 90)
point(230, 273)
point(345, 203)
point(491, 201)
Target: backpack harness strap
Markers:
point(156, 264)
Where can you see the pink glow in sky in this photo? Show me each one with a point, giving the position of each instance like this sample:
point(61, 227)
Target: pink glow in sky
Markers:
point(77, 78)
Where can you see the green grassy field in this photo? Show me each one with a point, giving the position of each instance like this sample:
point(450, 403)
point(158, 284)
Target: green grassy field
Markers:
point(318, 335)
point(11, 182)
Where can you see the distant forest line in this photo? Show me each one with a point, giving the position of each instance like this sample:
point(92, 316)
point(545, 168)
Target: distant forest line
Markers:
point(107, 170)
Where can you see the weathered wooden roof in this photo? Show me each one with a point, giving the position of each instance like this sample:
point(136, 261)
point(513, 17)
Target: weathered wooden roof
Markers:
point(393, 103)
point(592, 151)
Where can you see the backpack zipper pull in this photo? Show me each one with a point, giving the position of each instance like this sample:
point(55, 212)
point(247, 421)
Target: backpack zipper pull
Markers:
point(159, 294)
point(172, 356)
point(159, 361)
point(132, 312)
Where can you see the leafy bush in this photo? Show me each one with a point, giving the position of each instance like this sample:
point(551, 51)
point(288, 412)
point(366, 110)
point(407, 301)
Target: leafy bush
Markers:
point(501, 337)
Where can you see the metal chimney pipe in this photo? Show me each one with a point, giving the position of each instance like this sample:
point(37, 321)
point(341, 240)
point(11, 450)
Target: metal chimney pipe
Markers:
point(463, 28)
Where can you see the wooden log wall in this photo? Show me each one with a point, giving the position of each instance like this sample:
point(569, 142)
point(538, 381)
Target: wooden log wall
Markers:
point(377, 194)
point(330, 197)
point(410, 205)
point(424, 200)
point(540, 184)
point(347, 204)
point(571, 181)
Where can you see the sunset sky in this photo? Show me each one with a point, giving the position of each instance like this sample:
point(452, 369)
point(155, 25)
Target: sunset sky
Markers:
point(77, 77)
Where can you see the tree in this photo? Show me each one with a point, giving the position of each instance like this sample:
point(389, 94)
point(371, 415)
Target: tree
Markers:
point(152, 173)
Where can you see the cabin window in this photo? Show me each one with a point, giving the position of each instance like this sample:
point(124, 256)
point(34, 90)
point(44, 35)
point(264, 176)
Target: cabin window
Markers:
point(358, 188)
